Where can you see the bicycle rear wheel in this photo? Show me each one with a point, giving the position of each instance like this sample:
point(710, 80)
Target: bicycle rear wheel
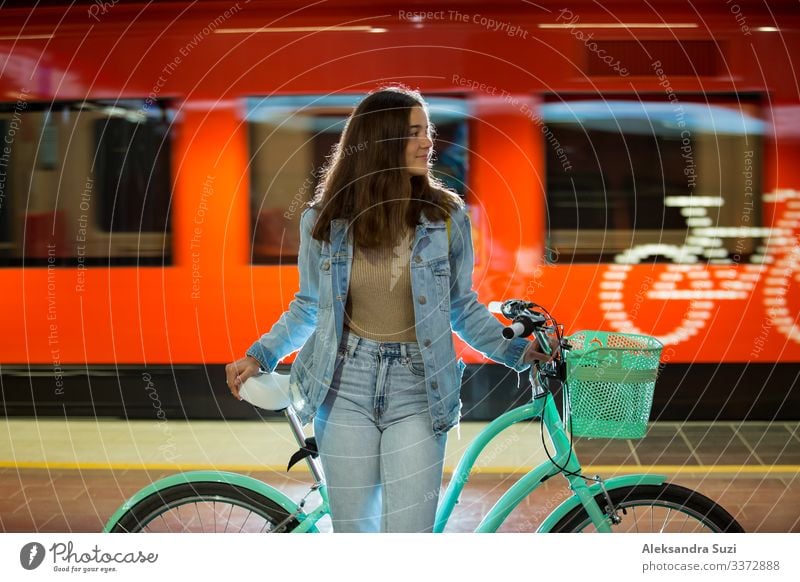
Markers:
point(205, 507)
point(655, 508)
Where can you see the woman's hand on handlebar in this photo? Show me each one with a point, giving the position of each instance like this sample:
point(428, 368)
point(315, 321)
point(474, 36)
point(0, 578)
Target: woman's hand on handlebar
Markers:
point(239, 371)
point(533, 352)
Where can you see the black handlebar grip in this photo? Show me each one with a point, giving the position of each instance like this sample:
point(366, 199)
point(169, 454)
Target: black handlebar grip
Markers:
point(513, 330)
point(522, 327)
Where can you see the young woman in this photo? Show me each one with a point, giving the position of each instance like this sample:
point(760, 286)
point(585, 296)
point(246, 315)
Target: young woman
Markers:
point(385, 266)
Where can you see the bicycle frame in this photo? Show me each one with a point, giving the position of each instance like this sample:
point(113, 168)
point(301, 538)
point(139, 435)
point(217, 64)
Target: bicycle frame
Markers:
point(542, 407)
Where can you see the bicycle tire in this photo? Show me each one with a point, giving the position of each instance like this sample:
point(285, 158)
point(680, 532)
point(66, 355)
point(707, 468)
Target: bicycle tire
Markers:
point(697, 511)
point(143, 515)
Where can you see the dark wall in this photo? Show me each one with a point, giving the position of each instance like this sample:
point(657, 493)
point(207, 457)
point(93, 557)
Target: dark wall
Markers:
point(683, 392)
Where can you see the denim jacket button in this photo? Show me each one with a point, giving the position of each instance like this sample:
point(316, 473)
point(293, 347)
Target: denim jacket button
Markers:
point(326, 265)
point(417, 259)
point(434, 385)
point(426, 343)
point(422, 300)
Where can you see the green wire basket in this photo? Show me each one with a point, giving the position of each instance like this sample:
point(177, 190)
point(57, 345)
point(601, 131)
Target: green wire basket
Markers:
point(611, 377)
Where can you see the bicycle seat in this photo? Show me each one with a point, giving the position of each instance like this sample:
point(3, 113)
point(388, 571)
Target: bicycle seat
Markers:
point(268, 391)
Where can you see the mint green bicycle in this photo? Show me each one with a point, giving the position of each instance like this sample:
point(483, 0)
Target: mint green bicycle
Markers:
point(607, 382)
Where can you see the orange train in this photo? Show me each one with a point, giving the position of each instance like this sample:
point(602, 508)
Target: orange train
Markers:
point(629, 167)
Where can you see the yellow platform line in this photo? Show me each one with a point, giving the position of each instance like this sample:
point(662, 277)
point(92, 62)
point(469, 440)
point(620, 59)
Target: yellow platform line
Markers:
point(497, 470)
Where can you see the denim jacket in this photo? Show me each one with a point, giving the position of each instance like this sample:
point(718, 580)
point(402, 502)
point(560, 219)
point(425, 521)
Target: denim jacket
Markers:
point(444, 301)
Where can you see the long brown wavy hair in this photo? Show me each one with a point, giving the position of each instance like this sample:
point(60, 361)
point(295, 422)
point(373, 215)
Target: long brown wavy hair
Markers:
point(365, 180)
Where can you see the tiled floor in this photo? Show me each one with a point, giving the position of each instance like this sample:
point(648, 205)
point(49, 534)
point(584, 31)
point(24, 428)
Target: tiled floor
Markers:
point(58, 476)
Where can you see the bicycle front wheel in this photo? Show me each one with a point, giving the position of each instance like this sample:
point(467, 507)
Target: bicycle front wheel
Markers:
point(655, 508)
point(205, 507)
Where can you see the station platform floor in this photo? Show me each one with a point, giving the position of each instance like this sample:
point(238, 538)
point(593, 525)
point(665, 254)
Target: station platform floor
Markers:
point(61, 475)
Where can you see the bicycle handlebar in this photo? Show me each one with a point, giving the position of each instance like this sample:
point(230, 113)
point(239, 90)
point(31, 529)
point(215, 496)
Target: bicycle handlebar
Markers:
point(524, 321)
point(522, 328)
point(531, 319)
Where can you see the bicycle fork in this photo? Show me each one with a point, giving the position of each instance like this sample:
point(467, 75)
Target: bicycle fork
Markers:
point(601, 520)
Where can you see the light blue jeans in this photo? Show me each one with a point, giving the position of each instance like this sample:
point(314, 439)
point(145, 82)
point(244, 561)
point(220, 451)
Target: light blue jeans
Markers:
point(382, 461)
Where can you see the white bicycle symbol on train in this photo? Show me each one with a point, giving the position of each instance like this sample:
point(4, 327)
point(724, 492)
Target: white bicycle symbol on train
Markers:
point(777, 260)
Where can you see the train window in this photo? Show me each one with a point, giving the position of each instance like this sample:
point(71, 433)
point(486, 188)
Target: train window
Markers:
point(290, 138)
point(643, 180)
point(85, 182)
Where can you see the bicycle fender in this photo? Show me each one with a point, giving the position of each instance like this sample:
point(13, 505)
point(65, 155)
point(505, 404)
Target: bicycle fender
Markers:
point(208, 476)
point(613, 483)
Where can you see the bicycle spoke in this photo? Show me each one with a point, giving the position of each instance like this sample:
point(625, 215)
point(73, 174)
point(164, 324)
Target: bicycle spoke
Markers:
point(685, 520)
point(169, 529)
point(227, 521)
point(666, 518)
point(200, 519)
point(249, 513)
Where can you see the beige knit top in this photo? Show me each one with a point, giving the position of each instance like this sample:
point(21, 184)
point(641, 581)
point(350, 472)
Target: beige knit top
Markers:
point(379, 303)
